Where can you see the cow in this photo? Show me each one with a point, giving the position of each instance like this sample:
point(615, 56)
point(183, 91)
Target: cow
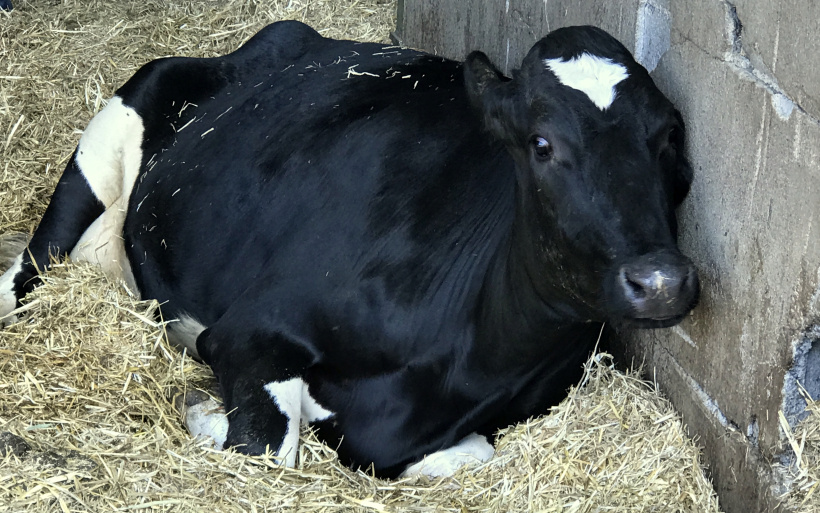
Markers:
point(405, 251)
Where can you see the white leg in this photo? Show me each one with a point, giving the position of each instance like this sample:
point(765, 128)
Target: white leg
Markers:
point(291, 397)
point(472, 449)
point(102, 244)
point(8, 299)
point(109, 156)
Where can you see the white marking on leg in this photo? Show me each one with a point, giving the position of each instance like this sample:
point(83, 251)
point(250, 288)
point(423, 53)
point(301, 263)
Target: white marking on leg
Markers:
point(593, 75)
point(8, 299)
point(208, 419)
point(287, 395)
point(102, 244)
point(109, 153)
point(295, 402)
point(471, 450)
point(183, 333)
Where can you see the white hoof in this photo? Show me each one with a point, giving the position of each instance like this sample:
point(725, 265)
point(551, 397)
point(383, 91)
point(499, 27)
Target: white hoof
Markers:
point(8, 300)
point(208, 419)
point(471, 450)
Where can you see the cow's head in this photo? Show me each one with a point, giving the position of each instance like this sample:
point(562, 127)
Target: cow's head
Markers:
point(599, 156)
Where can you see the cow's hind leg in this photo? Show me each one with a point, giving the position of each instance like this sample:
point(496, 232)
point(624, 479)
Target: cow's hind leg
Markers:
point(98, 177)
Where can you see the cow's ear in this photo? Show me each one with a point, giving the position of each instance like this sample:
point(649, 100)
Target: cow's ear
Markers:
point(683, 180)
point(479, 75)
point(492, 94)
point(683, 170)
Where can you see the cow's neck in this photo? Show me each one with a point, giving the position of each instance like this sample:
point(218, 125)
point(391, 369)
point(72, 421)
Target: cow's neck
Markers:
point(524, 315)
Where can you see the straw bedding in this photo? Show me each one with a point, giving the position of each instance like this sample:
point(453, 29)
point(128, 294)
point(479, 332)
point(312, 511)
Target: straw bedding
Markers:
point(90, 392)
point(800, 469)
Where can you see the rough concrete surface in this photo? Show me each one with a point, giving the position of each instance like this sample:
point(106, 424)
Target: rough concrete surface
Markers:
point(746, 78)
point(750, 226)
point(652, 32)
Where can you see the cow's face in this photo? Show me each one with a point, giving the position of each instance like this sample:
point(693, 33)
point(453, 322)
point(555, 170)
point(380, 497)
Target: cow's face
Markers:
point(598, 150)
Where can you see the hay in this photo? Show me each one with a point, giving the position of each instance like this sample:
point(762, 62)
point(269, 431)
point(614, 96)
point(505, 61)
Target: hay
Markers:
point(87, 415)
point(800, 469)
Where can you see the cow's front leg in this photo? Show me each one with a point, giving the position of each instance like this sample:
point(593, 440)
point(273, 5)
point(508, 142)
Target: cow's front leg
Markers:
point(266, 399)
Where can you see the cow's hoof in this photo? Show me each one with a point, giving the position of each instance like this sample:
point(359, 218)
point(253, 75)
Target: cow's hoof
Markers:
point(471, 450)
point(5, 5)
point(206, 419)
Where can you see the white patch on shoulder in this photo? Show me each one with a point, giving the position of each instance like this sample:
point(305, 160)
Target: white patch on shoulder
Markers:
point(8, 300)
point(593, 75)
point(208, 419)
point(471, 450)
point(294, 401)
point(184, 331)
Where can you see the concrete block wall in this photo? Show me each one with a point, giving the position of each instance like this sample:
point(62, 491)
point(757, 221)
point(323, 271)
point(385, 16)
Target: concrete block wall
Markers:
point(746, 77)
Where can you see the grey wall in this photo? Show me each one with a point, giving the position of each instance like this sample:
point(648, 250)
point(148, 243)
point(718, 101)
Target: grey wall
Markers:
point(746, 76)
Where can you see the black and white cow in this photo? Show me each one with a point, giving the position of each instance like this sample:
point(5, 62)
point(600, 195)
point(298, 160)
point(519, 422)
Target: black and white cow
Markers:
point(406, 251)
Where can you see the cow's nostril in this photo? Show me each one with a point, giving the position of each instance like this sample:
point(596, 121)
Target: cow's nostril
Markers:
point(633, 288)
point(641, 282)
point(684, 282)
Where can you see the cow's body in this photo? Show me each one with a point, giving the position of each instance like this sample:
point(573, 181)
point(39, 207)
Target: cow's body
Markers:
point(360, 251)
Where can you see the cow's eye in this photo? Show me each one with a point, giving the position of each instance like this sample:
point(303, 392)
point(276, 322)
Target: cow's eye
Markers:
point(541, 147)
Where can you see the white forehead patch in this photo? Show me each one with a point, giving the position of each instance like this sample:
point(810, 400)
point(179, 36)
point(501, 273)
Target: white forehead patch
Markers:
point(594, 76)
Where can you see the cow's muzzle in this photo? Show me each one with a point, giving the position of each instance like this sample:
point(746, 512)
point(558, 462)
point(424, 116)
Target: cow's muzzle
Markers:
point(659, 288)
